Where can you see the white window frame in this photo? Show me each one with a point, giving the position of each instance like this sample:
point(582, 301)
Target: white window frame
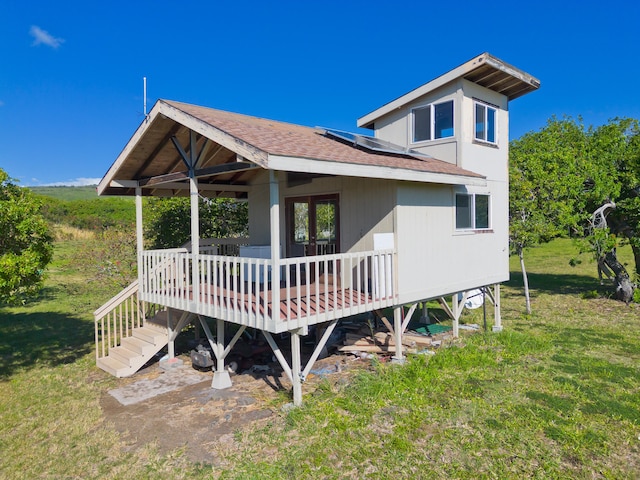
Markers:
point(486, 107)
point(432, 121)
point(473, 212)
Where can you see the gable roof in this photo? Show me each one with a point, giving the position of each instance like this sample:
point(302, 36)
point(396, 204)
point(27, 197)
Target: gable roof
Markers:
point(233, 146)
point(485, 70)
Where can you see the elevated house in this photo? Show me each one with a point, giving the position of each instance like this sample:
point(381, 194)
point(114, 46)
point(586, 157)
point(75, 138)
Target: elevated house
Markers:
point(339, 223)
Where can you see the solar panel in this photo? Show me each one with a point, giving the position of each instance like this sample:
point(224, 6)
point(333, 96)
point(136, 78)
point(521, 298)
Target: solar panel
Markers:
point(374, 144)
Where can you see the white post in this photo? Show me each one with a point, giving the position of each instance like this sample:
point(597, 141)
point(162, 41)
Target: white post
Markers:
point(497, 317)
point(195, 235)
point(139, 234)
point(296, 368)
point(221, 377)
point(455, 309)
point(171, 344)
point(274, 214)
point(397, 330)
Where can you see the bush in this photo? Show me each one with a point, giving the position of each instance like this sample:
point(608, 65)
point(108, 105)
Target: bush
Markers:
point(25, 242)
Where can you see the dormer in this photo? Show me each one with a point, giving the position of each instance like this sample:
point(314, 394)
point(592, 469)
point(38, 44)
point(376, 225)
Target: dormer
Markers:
point(461, 117)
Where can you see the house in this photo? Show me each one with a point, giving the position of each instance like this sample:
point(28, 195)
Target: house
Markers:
point(339, 223)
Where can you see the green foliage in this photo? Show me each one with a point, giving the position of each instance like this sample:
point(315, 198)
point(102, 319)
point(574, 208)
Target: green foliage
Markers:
point(25, 242)
point(67, 193)
point(544, 170)
point(168, 220)
point(95, 214)
point(562, 173)
point(110, 257)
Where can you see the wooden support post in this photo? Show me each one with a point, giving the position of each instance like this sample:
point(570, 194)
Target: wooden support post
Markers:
point(397, 328)
point(274, 214)
point(276, 351)
point(195, 236)
point(456, 311)
point(296, 365)
point(139, 237)
point(221, 377)
point(171, 337)
point(497, 316)
point(321, 344)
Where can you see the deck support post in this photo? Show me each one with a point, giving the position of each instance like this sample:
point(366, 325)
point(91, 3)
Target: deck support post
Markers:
point(397, 331)
point(171, 343)
point(319, 347)
point(221, 377)
point(296, 366)
point(456, 310)
point(497, 316)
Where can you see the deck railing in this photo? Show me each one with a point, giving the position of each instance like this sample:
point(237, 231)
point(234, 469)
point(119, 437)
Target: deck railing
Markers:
point(240, 289)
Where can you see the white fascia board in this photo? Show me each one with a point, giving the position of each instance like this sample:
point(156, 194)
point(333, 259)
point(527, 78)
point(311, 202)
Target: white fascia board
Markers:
point(307, 165)
point(218, 136)
point(368, 119)
point(209, 131)
point(128, 148)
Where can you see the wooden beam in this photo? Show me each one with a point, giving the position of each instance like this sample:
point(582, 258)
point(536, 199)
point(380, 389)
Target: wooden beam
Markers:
point(216, 187)
point(202, 172)
point(151, 157)
point(183, 154)
point(386, 322)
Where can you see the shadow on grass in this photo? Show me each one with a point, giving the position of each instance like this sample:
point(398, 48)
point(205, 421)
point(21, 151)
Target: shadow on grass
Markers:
point(30, 339)
point(557, 283)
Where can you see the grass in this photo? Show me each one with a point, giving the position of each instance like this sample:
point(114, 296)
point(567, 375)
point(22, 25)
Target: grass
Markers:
point(556, 395)
point(67, 193)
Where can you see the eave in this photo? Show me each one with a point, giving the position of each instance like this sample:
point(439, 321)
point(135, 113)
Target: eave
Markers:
point(484, 70)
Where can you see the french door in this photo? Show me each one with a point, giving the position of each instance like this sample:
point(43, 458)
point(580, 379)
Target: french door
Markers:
point(313, 225)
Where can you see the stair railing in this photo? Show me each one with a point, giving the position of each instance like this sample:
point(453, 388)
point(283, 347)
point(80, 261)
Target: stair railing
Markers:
point(117, 318)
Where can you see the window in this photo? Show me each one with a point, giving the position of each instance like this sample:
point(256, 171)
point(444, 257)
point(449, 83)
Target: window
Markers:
point(433, 121)
point(485, 123)
point(472, 211)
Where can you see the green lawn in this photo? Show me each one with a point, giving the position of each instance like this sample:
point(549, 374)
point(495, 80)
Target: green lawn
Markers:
point(556, 395)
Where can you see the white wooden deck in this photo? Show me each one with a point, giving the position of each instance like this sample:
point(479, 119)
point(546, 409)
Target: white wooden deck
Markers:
point(241, 290)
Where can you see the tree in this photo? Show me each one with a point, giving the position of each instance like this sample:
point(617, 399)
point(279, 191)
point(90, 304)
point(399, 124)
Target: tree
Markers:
point(543, 186)
point(616, 153)
point(25, 242)
point(563, 173)
point(168, 222)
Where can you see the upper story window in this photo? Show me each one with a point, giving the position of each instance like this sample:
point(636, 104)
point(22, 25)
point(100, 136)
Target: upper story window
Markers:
point(433, 121)
point(472, 211)
point(485, 122)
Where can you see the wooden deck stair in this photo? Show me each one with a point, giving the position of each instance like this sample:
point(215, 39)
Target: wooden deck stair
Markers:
point(136, 350)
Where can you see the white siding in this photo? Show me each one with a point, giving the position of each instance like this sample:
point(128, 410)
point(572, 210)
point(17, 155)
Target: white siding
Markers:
point(366, 207)
point(397, 126)
point(435, 260)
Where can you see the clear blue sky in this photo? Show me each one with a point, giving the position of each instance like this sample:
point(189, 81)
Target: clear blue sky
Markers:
point(71, 71)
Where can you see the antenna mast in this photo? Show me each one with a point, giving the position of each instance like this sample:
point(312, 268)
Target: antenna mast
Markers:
point(144, 94)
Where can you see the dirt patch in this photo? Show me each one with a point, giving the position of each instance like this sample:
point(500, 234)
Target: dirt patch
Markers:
point(201, 420)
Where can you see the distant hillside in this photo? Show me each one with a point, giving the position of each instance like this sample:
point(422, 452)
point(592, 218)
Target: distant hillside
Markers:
point(67, 193)
point(81, 207)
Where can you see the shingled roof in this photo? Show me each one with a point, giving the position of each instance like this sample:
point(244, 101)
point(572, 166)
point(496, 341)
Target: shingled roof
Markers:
point(263, 143)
